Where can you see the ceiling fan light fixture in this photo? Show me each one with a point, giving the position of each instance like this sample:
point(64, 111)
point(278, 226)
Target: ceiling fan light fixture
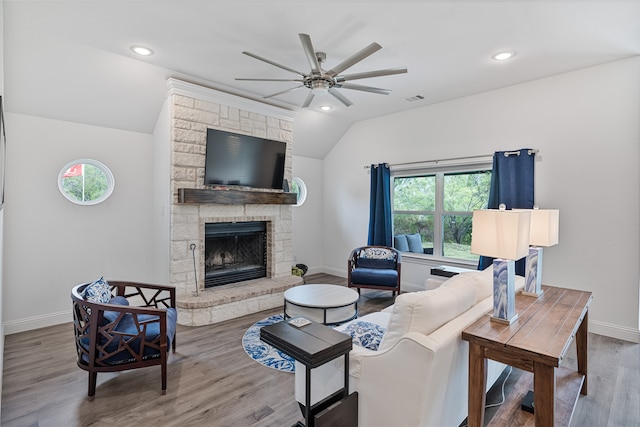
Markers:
point(503, 55)
point(141, 50)
point(322, 82)
point(319, 86)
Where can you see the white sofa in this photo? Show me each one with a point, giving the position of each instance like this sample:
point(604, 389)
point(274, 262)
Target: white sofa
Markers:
point(418, 376)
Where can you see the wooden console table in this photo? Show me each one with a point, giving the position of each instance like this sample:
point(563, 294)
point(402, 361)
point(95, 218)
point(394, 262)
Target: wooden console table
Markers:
point(536, 342)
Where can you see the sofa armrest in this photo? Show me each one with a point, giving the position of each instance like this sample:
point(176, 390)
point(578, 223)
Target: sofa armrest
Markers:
point(374, 374)
point(424, 380)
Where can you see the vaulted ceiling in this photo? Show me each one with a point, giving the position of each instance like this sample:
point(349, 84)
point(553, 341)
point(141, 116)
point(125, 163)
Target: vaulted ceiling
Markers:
point(72, 60)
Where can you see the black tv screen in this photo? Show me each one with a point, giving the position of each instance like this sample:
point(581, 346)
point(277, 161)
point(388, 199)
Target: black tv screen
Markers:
point(243, 160)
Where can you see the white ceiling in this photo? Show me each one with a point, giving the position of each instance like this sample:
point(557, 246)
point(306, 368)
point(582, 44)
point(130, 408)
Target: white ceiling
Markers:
point(71, 60)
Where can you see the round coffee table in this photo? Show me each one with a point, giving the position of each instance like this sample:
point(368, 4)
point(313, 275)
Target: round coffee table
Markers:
point(328, 304)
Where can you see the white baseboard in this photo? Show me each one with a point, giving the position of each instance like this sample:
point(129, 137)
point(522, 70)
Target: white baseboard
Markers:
point(614, 331)
point(42, 321)
point(333, 271)
point(37, 322)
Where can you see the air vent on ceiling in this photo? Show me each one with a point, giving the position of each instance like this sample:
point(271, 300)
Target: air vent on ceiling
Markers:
point(415, 98)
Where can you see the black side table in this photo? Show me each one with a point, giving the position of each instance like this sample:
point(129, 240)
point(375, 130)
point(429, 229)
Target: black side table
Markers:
point(314, 345)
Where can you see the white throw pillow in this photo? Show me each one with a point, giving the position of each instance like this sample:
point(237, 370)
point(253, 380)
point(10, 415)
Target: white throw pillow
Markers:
point(426, 311)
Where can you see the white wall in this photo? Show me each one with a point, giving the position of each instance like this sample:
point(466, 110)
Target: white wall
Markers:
point(307, 219)
point(161, 208)
point(586, 126)
point(52, 244)
point(1, 211)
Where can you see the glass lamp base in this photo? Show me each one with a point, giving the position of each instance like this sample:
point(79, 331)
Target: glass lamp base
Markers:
point(533, 273)
point(504, 293)
point(504, 321)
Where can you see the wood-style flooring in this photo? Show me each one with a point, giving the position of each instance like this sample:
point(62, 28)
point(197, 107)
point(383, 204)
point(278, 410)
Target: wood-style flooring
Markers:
point(212, 382)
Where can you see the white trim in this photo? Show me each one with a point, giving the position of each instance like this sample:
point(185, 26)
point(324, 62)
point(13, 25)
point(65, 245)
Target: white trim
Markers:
point(179, 87)
point(302, 186)
point(37, 322)
point(614, 331)
point(111, 182)
point(51, 319)
point(330, 270)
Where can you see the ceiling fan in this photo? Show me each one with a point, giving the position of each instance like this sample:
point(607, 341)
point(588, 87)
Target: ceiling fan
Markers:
point(330, 81)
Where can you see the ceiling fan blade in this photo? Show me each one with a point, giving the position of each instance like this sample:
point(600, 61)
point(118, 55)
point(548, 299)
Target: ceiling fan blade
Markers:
point(310, 52)
point(307, 100)
point(354, 59)
point(275, 64)
point(268, 80)
point(363, 88)
point(367, 74)
point(283, 91)
point(340, 97)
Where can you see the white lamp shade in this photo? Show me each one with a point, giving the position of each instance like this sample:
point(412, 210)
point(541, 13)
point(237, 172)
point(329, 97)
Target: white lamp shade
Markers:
point(501, 234)
point(544, 227)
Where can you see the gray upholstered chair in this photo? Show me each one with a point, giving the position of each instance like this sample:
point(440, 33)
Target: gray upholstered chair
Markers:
point(374, 267)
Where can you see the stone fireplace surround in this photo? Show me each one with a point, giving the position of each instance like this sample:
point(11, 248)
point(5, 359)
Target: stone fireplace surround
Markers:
point(192, 109)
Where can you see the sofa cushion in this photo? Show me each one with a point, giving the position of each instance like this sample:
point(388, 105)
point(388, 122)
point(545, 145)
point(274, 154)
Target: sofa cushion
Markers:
point(98, 291)
point(400, 242)
point(374, 276)
point(426, 311)
point(414, 241)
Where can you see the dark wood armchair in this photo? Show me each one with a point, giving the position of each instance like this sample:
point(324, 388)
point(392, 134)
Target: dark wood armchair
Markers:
point(133, 330)
point(374, 267)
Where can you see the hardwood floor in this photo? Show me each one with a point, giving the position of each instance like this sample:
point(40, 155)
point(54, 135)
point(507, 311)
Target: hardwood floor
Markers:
point(212, 382)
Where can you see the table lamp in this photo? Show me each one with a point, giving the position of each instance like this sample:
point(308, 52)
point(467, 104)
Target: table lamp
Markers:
point(504, 235)
point(543, 233)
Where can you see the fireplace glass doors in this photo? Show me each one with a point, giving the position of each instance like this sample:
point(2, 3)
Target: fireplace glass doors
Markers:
point(235, 252)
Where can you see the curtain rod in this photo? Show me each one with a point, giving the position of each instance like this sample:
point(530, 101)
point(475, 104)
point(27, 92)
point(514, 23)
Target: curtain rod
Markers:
point(452, 159)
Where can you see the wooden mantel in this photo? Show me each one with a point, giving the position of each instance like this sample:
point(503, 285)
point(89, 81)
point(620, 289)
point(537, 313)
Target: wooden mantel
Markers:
point(235, 197)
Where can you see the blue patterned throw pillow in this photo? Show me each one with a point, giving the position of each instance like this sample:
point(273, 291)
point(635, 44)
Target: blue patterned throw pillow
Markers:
point(377, 253)
point(98, 291)
point(376, 258)
point(365, 334)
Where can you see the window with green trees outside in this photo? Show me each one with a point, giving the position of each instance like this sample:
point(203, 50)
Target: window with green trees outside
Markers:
point(439, 207)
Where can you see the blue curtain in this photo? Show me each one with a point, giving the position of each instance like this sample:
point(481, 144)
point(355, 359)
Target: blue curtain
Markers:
point(512, 180)
point(380, 227)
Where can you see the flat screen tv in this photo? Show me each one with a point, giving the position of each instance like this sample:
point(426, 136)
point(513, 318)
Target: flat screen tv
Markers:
point(242, 160)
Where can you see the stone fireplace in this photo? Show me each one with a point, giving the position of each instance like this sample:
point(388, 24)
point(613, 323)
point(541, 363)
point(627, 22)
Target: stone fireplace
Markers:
point(234, 252)
point(197, 258)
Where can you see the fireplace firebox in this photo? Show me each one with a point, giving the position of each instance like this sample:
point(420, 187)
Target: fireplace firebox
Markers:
point(235, 252)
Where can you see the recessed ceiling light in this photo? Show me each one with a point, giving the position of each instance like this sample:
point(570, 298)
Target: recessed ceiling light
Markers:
point(325, 107)
point(141, 50)
point(504, 55)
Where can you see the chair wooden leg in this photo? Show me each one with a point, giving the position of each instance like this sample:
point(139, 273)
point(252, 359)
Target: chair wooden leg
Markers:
point(93, 377)
point(164, 375)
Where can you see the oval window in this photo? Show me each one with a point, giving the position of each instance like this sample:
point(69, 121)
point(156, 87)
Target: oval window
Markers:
point(85, 182)
point(300, 188)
